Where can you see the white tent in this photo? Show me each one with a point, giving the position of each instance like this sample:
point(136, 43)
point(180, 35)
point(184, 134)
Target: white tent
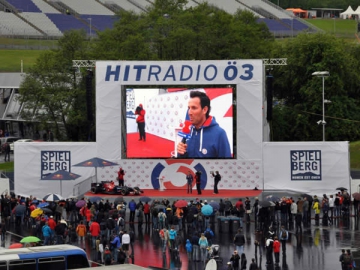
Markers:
point(357, 11)
point(347, 13)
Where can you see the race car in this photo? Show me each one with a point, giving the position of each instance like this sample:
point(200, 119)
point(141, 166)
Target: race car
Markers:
point(109, 187)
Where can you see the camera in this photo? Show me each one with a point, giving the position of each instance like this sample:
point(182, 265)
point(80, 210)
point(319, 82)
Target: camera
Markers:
point(138, 109)
point(211, 172)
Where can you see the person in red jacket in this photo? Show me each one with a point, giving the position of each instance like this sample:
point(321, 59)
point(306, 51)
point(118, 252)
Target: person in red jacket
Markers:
point(147, 212)
point(276, 247)
point(120, 177)
point(94, 231)
point(140, 120)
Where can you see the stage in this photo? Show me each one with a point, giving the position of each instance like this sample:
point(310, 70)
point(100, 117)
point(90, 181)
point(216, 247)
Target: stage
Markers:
point(175, 194)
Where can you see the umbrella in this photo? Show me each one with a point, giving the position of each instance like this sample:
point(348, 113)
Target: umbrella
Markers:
point(47, 210)
point(95, 163)
point(61, 175)
point(181, 203)
point(20, 208)
point(341, 188)
point(16, 245)
point(63, 221)
point(215, 205)
point(30, 239)
point(80, 203)
point(272, 198)
point(44, 204)
point(207, 210)
point(53, 197)
point(356, 196)
point(160, 206)
point(265, 203)
point(34, 202)
point(95, 199)
point(119, 200)
point(307, 196)
point(145, 199)
point(36, 212)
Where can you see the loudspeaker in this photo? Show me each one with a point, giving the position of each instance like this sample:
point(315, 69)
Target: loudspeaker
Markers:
point(269, 96)
point(89, 101)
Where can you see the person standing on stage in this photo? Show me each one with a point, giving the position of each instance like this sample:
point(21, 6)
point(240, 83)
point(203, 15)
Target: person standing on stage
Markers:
point(189, 180)
point(198, 182)
point(120, 177)
point(217, 178)
point(140, 120)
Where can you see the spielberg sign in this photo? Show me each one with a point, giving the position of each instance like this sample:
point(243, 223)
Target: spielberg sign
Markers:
point(53, 161)
point(305, 165)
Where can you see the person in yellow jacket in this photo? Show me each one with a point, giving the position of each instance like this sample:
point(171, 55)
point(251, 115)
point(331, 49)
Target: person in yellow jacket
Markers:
point(81, 232)
point(316, 207)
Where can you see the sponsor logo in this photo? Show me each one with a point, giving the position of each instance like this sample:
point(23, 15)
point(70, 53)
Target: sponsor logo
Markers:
point(53, 161)
point(305, 165)
point(172, 175)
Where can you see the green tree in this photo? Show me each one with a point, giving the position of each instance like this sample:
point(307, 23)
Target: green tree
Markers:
point(52, 91)
point(169, 31)
point(301, 93)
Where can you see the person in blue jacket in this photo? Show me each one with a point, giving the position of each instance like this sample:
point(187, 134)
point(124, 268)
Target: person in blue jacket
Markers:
point(132, 207)
point(206, 139)
point(47, 233)
point(189, 249)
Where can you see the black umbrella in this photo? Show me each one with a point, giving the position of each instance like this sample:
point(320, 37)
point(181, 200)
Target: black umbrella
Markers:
point(145, 199)
point(47, 211)
point(341, 188)
point(119, 200)
point(307, 196)
point(160, 206)
point(265, 203)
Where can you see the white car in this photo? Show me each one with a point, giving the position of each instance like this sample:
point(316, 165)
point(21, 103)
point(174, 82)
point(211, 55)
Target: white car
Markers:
point(21, 140)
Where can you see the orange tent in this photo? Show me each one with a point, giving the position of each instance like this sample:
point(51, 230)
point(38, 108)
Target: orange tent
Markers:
point(297, 10)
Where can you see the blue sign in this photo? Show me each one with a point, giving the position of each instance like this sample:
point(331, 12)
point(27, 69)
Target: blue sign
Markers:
point(53, 161)
point(305, 165)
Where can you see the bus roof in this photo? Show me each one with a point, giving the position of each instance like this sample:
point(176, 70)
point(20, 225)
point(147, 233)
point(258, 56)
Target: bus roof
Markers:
point(121, 267)
point(36, 249)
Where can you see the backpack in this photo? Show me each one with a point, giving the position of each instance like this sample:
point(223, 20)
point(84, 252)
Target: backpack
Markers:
point(121, 222)
point(208, 234)
point(161, 217)
point(283, 234)
point(347, 259)
point(200, 217)
point(107, 257)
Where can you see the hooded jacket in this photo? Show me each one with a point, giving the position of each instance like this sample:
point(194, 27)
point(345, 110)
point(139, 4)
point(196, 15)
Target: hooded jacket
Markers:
point(141, 114)
point(188, 246)
point(209, 141)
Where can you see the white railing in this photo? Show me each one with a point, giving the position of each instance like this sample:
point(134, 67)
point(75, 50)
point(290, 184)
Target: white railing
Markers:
point(83, 187)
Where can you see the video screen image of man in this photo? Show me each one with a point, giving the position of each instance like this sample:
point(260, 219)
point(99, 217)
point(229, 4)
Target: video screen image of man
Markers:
point(206, 139)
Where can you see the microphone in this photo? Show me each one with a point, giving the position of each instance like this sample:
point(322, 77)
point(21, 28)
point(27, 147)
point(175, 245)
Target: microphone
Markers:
point(185, 132)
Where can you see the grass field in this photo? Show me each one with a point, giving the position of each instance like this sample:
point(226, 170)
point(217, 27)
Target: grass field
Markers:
point(8, 166)
point(10, 60)
point(339, 27)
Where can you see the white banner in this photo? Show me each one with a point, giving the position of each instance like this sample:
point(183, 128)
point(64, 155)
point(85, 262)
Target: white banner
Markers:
point(310, 167)
point(36, 160)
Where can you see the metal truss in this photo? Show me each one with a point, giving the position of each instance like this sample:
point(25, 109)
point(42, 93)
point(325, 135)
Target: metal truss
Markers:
point(275, 62)
point(83, 63)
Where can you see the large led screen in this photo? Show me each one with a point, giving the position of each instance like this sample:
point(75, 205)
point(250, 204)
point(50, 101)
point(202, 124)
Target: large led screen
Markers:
point(159, 121)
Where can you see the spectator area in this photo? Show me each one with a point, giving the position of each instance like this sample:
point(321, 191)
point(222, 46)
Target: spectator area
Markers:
point(65, 22)
point(87, 7)
point(41, 21)
point(101, 22)
point(10, 24)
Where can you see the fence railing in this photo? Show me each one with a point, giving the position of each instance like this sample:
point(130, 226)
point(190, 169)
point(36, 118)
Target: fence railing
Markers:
point(83, 187)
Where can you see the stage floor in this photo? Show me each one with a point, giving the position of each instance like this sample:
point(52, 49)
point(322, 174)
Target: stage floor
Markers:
point(182, 194)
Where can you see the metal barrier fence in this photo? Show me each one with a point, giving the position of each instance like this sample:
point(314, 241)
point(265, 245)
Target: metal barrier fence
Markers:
point(83, 187)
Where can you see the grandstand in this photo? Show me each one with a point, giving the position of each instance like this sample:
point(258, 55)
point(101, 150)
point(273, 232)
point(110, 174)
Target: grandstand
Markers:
point(43, 18)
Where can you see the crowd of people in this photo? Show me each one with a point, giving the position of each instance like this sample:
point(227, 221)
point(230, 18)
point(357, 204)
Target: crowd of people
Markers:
point(104, 223)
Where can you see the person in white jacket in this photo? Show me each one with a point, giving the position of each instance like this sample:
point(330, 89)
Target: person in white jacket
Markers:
point(331, 206)
point(293, 210)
